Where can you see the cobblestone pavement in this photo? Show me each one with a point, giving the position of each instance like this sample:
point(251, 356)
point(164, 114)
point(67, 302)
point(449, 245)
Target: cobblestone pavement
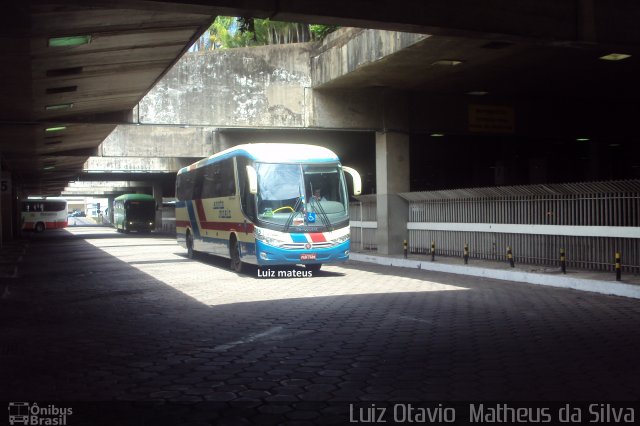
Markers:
point(98, 316)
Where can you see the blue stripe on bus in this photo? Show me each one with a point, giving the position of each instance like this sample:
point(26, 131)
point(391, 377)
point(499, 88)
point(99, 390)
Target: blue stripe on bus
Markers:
point(180, 204)
point(192, 219)
point(298, 238)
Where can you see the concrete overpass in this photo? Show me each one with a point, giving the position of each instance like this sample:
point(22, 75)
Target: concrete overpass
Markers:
point(133, 43)
point(372, 96)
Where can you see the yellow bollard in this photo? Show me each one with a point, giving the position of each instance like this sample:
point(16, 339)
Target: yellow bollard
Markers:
point(465, 254)
point(510, 257)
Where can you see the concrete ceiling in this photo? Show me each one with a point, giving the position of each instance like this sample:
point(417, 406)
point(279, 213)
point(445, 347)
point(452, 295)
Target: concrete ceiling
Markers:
point(511, 49)
point(506, 68)
point(132, 45)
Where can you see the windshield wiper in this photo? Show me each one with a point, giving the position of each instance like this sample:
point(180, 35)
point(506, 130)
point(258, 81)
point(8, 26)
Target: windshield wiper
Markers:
point(323, 215)
point(292, 215)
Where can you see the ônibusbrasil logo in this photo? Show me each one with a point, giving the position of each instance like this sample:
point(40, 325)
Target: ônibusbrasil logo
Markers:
point(25, 413)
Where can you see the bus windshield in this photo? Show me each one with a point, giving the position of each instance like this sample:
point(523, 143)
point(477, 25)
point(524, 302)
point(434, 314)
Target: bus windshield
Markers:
point(295, 195)
point(140, 209)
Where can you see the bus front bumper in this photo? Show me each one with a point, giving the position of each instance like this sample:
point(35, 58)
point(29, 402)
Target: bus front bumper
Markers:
point(270, 255)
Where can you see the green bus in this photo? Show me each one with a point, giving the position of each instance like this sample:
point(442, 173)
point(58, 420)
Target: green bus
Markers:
point(134, 212)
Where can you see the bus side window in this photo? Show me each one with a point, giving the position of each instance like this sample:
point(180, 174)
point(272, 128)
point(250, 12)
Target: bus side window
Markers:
point(247, 199)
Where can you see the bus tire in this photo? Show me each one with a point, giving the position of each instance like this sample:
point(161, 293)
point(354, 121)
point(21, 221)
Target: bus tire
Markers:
point(39, 227)
point(236, 261)
point(190, 251)
point(313, 267)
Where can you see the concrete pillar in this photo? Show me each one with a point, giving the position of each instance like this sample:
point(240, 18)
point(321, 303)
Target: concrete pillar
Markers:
point(110, 205)
point(157, 194)
point(594, 168)
point(392, 177)
point(6, 203)
point(2, 189)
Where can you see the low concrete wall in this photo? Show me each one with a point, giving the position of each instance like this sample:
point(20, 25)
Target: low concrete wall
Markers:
point(158, 141)
point(254, 87)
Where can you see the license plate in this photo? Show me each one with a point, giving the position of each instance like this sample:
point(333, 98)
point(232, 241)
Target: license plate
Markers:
point(309, 256)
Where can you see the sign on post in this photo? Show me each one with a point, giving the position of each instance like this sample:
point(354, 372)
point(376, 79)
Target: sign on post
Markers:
point(5, 185)
point(491, 119)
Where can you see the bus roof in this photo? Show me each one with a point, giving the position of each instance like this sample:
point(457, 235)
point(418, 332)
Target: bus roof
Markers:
point(271, 153)
point(135, 197)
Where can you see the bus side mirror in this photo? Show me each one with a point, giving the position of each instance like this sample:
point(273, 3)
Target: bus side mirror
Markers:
point(253, 179)
point(357, 182)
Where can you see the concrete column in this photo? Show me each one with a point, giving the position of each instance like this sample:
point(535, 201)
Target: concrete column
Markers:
point(6, 203)
point(3, 183)
point(157, 194)
point(392, 177)
point(110, 202)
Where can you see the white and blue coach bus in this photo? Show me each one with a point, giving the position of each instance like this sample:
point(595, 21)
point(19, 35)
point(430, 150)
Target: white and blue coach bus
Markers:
point(266, 204)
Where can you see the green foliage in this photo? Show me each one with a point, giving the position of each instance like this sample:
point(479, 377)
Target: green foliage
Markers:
point(229, 32)
point(319, 32)
point(224, 33)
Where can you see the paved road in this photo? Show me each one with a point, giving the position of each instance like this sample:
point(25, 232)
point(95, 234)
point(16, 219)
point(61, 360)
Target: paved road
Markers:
point(99, 316)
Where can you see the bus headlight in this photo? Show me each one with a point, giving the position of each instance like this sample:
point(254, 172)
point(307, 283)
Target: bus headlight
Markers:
point(341, 239)
point(261, 235)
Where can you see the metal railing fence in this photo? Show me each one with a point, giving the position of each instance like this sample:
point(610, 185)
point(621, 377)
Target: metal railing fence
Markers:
point(590, 221)
point(363, 216)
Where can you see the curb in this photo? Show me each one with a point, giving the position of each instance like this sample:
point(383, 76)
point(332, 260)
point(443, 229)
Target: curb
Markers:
point(596, 286)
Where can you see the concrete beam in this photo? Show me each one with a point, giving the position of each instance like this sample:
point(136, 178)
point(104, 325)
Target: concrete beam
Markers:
point(135, 164)
point(353, 49)
point(582, 20)
point(158, 141)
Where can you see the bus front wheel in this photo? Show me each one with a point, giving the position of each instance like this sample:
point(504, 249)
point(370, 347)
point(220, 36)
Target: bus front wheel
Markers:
point(236, 261)
point(39, 227)
point(313, 267)
point(190, 252)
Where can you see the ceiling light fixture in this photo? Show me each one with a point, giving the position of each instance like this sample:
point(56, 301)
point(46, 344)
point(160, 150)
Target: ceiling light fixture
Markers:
point(447, 62)
point(436, 135)
point(615, 57)
point(477, 93)
point(69, 41)
point(582, 139)
point(55, 129)
point(56, 107)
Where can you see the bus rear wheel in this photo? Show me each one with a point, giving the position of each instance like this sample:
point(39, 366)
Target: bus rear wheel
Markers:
point(39, 227)
point(236, 261)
